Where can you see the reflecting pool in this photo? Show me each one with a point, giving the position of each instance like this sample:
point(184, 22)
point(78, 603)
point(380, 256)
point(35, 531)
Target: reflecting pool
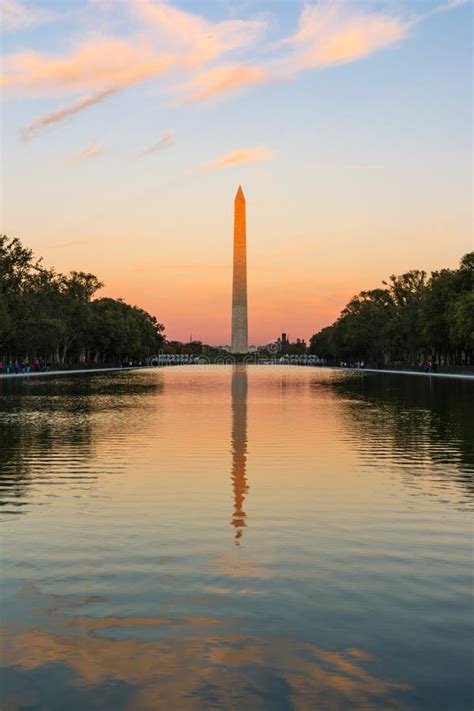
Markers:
point(210, 537)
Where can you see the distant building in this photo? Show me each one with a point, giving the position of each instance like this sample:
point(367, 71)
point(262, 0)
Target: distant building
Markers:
point(286, 347)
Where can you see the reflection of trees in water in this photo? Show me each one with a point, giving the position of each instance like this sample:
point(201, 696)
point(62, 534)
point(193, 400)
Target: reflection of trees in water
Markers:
point(239, 448)
point(420, 420)
point(70, 660)
point(47, 428)
point(30, 441)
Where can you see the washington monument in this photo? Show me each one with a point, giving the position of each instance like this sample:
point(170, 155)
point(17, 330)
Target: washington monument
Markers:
point(239, 282)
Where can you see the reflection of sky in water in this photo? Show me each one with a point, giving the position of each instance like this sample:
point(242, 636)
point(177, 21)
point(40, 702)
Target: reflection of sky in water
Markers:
point(123, 587)
point(161, 667)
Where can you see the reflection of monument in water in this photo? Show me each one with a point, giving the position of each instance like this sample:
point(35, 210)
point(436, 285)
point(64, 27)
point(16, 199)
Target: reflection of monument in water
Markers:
point(239, 448)
point(239, 280)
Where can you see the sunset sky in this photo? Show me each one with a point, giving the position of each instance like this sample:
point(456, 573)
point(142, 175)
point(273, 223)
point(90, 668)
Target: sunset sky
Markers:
point(127, 126)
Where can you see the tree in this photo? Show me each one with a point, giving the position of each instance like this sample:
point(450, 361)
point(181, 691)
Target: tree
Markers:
point(53, 316)
point(121, 331)
point(411, 319)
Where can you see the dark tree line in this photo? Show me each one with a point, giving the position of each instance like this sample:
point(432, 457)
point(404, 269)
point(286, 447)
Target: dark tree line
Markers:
point(411, 319)
point(54, 317)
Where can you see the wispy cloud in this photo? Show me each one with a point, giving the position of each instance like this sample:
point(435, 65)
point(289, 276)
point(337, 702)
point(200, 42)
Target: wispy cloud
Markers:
point(448, 6)
point(91, 151)
point(332, 33)
point(180, 266)
point(78, 243)
point(166, 141)
point(241, 155)
point(92, 64)
point(222, 80)
point(185, 40)
point(60, 115)
point(167, 43)
point(16, 16)
point(196, 39)
point(168, 39)
point(453, 4)
point(329, 33)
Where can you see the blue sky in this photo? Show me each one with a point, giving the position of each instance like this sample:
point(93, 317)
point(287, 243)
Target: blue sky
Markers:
point(128, 125)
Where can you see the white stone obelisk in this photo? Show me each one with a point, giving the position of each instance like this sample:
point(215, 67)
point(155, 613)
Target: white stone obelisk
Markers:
point(239, 283)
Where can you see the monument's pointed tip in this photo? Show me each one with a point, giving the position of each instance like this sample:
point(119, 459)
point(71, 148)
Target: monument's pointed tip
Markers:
point(240, 192)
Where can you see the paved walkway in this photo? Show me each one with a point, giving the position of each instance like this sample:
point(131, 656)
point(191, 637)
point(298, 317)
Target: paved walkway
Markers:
point(462, 376)
point(459, 376)
point(34, 374)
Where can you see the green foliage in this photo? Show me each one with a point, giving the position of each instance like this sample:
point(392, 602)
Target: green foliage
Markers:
point(55, 317)
point(413, 318)
point(118, 329)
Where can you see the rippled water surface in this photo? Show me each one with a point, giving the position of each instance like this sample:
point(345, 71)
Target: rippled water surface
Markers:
point(218, 538)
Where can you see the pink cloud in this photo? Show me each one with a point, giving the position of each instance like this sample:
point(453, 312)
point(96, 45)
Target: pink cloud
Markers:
point(16, 16)
point(108, 65)
point(166, 141)
point(79, 243)
point(332, 33)
point(92, 65)
point(91, 151)
point(223, 79)
point(55, 117)
point(329, 34)
point(241, 155)
point(197, 40)
point(181, 266)
point(165, 39)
